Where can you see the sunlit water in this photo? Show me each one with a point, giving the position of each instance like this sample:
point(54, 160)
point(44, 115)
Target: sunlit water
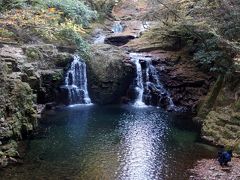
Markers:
point(107, 143)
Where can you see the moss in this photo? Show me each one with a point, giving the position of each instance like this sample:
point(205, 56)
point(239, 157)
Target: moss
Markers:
point(235, 120)
point(4, 33)
point(237, 105)
point(211, 98)
point(58, 76)
point(228, 134)
point(62, 59)
point(33, 54)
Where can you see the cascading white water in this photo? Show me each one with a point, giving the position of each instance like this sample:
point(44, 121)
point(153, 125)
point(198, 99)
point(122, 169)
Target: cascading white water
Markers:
point(100, 39)
point(76, 82)
point(146, 80)
point(139, 86)
point(117, 27)
point(152, 71)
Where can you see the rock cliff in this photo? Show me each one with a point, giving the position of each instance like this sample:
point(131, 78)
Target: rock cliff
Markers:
point(30, 75)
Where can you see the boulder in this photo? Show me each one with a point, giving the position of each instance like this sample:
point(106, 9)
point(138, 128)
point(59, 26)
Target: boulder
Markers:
point(109, 74)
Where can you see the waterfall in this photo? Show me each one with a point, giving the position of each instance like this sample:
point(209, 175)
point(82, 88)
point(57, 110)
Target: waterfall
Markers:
point(76, 82)
point(100, 39)
point(148, 80)
point(155, 83)
point(117, 27)
point(139, 86)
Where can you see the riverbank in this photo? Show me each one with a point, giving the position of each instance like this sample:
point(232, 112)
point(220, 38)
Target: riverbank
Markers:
point(208, 169)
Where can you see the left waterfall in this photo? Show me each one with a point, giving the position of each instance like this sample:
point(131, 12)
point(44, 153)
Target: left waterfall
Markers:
point(76, 82)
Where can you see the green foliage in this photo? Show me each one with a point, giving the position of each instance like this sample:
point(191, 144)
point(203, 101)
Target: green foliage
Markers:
point(103, 7)
point(11, 4)
point(33, 54)
point(72, 36)
point(237, 105)
point(211, 57)
point(73, 9)
point(48, 22)
point(208, 28)
point(4, 33)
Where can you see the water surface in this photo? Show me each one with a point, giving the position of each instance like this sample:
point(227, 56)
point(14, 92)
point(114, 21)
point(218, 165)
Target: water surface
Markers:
point(111, 142)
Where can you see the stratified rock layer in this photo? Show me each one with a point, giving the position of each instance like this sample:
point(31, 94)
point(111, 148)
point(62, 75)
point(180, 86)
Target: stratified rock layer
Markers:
point(17, 111)
point(29, 75)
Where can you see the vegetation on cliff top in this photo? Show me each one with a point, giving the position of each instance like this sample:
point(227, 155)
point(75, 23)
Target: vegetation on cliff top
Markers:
point(208, 29)
point(61, 22)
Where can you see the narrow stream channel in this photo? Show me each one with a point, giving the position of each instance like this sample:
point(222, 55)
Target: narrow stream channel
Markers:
point(111, 142)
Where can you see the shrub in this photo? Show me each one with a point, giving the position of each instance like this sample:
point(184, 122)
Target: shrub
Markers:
point(75, 38)
point(103, 7)
point(208, 29)
point(73, 9)
point(11, 4)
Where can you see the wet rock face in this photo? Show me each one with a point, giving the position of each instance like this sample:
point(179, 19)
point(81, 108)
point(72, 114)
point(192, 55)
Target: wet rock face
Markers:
point(50, 81)
point(110, 73)
point(185, 83)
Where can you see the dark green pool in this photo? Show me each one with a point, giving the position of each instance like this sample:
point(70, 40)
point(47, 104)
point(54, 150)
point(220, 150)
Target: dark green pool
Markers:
point(112, 142)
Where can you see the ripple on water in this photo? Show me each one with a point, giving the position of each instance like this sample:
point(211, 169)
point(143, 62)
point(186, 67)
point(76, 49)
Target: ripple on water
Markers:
point(125, 143)
point(142, 145)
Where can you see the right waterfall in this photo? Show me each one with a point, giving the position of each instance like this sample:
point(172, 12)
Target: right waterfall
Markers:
point(147, 85)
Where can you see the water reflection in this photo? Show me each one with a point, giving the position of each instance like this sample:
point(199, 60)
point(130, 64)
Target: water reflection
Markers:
point(107, 143)
point(142, 150)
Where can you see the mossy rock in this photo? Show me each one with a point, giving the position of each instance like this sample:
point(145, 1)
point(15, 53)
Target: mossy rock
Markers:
point(62, 59)
point(4, 33)
point(237, 105)
point(58, 76)
point(211, 97)
point(1, 154)
point(109, 74)
point(9, 145)
point(33, 54)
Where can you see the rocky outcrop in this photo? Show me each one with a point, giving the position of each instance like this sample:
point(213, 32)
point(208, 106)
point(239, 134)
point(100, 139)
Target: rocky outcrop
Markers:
point(110, 74)
point(178, 73)
point(48, 64)
point(29, 75)
point(17, 111)
point(118, 40)
point(186, 83)
point(220, 116)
